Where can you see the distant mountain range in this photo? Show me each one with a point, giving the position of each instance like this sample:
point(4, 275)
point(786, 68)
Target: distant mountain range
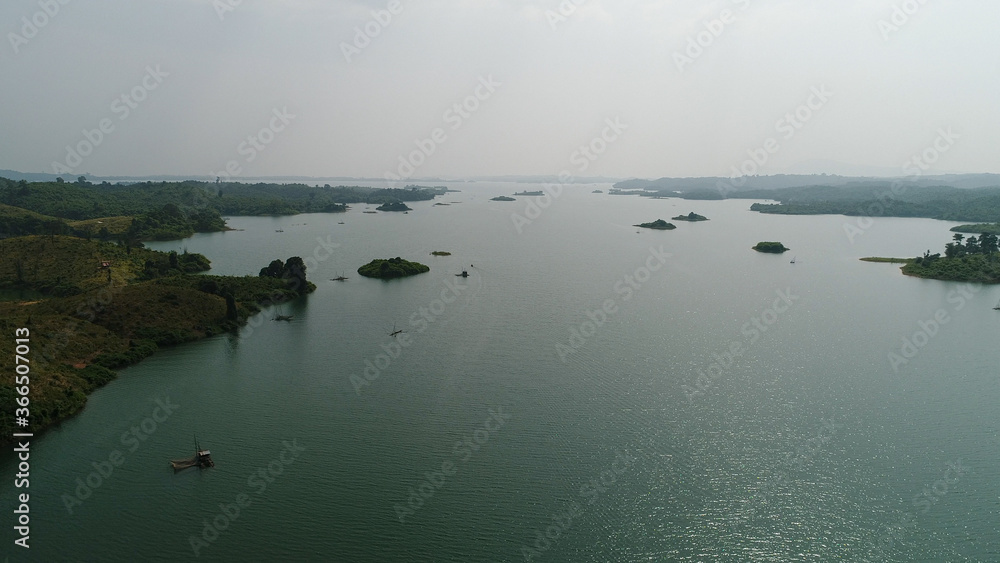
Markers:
point(683, 185)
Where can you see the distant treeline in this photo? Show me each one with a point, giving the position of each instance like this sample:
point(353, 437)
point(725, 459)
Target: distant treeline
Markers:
point(878, 199)
point(170, 210)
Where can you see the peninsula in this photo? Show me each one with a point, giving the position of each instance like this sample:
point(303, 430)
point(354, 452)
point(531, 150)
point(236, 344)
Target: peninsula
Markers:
point(102, 306)
point(975, 260)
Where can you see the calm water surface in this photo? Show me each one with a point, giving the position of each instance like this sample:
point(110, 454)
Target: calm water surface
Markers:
point(808, 445)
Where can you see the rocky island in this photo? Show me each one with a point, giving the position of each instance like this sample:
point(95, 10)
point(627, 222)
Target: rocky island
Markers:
point(771, 247)
point(691, 217)
point(659, 224)
point(392, 268)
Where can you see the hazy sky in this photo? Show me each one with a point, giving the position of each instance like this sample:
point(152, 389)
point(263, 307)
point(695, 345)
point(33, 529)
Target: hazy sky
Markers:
point(549, 76)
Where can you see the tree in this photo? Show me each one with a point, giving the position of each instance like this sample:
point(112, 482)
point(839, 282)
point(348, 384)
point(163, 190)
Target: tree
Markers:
point(959, 237)
point(989, 243)
point(274, 270)
point(295, 271)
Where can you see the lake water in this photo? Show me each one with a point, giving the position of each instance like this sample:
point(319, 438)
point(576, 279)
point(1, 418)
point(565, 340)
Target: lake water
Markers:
point(517, 410)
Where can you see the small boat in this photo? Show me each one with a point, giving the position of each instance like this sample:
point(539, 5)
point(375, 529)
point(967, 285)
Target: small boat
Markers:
point(279, 317)
point(395, 332)
point(279, 230)
point(340, 222)
point(793, 260)
point(202, 459)
point(464, 274)
point(997, 308)
point(339, 278)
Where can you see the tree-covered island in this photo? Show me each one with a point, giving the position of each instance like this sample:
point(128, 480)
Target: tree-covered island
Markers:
point(393, 206)
point(392, 268)
point(771, 247)
point(659, 225)
point(693, 217)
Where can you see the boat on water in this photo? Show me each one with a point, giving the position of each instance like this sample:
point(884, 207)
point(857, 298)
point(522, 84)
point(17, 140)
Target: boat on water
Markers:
point(464, 274)
point(793, 260)
point(339, 278)
point(202, 459)
point(997, 308)
point(279, 317)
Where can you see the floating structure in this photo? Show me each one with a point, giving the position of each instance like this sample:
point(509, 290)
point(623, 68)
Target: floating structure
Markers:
point(339, 278)
point(202, 459)
point(464, 274)
point(394, 331)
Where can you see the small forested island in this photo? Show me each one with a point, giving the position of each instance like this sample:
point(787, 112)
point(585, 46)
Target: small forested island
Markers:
point(978, 229)
point(502, 198)
point(965, 260)
point(440, 253)
point(101, 306)
point(659, 224)
point(393, 206)
point(691, 217)
point(527, 193)
point(771, 247)
point(392, 268)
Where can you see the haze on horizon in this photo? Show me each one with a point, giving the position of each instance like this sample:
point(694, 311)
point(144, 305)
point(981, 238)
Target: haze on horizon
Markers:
point(348, 88)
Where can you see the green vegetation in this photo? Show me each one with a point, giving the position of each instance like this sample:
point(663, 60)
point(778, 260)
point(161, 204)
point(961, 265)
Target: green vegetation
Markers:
point(691, 217)
point(62, 266)
point(440, 253)
point(659, 224)
point(502, 198)
point(880, 199)
point(170, 210)
point(392, 268)
point(966, 260)
point(393, 206)
point(96, 318)
point(887, 260)
point(978, 229)
point(771, 247)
